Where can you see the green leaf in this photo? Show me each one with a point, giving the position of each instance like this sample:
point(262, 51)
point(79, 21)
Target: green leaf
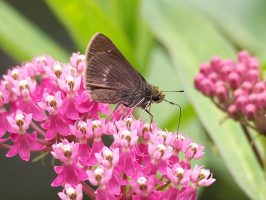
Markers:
point(22, 40)
point(244, 21)
point(191, 39)
point(84, 18)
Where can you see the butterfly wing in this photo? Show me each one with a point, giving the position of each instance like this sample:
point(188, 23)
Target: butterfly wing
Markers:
point(109, 76)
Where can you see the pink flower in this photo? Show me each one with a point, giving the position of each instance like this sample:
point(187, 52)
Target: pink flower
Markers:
point(71, 193)
point(71, 172)
point(159, 152)
point(23, 141)
point(194, 150)
point(125, 139)
point(78, 61)
point(56, 123)
point(124, 158)
point(178, 175)
point(143, 186)
point(108, 158)
point(201, 176)
point(99, 176)
point(66, 152)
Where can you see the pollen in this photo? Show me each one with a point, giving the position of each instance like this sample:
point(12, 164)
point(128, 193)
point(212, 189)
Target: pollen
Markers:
point(67, 149)
point(142, 181)
point(126, 134)
point(57, 70)
point(20, 120)
point(194, 147)
point(161, 148)
point(179, 172)
point(15, 74)
point(51, 101)
point(23, 84)
point(71, 82)
point(71, 193)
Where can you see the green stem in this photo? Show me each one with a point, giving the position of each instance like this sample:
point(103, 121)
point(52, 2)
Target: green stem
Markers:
point(253, 146)
point(88, 190)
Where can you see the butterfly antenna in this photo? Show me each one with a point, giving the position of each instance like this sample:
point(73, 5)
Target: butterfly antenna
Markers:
point(179, 107)
point(174, 91)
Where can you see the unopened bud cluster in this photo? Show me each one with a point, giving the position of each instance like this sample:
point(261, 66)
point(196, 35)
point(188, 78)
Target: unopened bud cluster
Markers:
point(235, 87)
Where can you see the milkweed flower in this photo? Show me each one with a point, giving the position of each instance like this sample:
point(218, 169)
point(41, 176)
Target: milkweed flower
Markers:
point(70, 193)
point(44, 107)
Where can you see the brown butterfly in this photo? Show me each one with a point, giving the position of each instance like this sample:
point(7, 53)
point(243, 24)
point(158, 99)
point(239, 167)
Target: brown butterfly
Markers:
point(111, 79)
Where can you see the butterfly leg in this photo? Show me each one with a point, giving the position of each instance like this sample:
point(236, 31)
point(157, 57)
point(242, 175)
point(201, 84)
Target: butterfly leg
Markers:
point(140, 102)
point(147, 111)
point(151, 115)
point(113, 111)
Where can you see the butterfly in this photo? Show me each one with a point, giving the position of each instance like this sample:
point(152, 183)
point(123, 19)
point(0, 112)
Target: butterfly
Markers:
point(111, 79)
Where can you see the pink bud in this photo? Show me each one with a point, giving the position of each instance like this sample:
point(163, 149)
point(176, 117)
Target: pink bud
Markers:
point(205, 69)
point(259, 87)
point(252, 75)
point(260, 99)
point(243, 57)
point(222, 93)
point(240, 68)
point(207, 87)
point(241, 101)
point(216, 63)
point(246, 86)
point(253, 63)
point(225, 70)
point(197, 81)
point(233, 111)
point(252, 98)
point(234, 80)
point(213, 77)
point(239, 92)
point(250, 111)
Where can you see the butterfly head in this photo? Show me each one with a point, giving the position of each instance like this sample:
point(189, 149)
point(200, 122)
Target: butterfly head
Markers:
point(157, 95)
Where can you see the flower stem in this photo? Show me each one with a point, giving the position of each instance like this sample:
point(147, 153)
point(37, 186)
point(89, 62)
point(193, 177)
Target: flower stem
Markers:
point(5, 146)
point(163, 186)
point(253, 146)
point(88, 190)
point(37, 128)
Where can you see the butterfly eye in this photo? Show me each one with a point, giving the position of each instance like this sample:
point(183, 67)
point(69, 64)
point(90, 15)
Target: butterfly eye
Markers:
point(156, 97)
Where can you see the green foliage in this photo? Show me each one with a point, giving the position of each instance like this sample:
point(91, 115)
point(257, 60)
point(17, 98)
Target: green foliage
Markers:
point(166, 40)
point(22, 40)
point(181, 25)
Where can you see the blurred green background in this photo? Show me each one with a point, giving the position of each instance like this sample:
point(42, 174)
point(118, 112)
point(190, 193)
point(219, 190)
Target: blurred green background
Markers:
point(166, 40)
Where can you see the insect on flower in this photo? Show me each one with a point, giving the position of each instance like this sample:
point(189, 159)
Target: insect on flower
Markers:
point(111, 79)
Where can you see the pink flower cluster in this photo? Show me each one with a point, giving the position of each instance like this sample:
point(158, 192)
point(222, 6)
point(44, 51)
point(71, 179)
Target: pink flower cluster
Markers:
point(235, 87)
point(45, 107)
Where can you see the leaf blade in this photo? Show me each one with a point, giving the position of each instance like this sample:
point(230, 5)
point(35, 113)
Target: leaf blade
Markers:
point(186, 49)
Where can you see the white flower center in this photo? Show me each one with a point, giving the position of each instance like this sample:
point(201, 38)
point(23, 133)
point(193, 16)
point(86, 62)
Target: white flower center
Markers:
point(161, 147)
point(194, 146)
point(41, 59)
point(15, 73)
point(99, 172)
point(57, 67)
point(179, 171)
point(81, 58)
point(96, 123)
point(142, 181)
point(107, 153)
point(70, 191)
point(204, 173)
point(19, 117)
point(180, 137)
point(126, 134)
